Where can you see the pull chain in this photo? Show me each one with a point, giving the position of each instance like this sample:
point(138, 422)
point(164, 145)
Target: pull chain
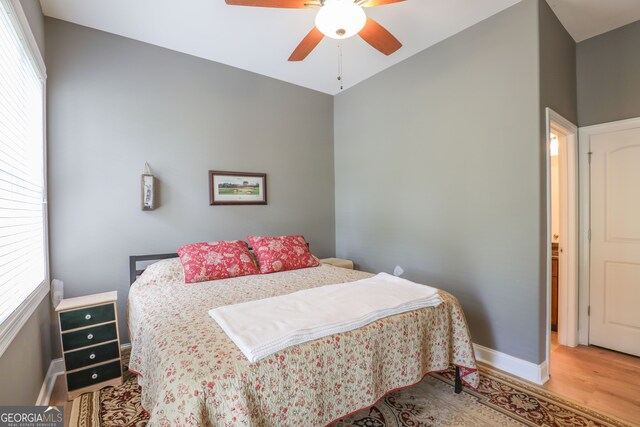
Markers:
point(340, 77)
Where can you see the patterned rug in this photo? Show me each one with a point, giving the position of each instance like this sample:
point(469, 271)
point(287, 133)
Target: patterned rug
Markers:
point(499, 401)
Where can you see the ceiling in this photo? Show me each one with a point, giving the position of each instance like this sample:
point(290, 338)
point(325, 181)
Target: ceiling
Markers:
point(261, 39)
point(584, 19)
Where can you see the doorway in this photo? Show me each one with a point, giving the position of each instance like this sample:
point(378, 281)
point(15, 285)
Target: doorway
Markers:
point(557, 148)
point(562, 226)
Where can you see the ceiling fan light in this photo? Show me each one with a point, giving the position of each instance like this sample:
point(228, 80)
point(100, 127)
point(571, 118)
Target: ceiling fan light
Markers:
point(340, 19)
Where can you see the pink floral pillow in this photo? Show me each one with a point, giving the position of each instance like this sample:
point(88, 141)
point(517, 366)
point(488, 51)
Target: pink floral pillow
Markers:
point(282, 253)
point(217, 260)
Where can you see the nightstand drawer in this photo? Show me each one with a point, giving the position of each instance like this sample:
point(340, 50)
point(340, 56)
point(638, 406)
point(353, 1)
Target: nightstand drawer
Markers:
point(95, 375)
point(87, 316)
point(89, 336)
point(90, 356)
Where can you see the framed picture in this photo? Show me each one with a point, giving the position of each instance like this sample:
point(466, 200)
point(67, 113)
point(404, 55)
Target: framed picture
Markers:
point(237, 188)
point(148, 192)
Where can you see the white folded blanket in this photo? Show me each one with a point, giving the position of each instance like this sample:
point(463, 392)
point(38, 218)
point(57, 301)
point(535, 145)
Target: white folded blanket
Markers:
point(262, 327)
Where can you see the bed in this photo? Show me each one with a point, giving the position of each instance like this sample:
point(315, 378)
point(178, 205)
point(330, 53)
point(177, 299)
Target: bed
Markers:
point(191, 373)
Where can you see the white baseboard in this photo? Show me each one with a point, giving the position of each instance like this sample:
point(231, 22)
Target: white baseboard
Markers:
point(538, 374)
point(57, 368)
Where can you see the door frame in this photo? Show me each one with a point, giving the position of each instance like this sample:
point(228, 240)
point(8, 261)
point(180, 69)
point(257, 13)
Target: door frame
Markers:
point(585, 134)
point(568, 292)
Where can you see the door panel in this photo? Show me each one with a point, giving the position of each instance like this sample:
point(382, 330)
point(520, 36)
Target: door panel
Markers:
point(623, 207)
point(615, 240)
point(622, 294)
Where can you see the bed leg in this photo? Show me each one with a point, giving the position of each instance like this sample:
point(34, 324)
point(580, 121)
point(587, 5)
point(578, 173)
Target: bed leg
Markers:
point(458, 381)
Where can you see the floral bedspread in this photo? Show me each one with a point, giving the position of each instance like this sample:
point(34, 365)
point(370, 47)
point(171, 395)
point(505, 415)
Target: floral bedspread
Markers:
point(191, 373)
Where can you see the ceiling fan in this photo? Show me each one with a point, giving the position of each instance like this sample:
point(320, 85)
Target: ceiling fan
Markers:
point(338, 19)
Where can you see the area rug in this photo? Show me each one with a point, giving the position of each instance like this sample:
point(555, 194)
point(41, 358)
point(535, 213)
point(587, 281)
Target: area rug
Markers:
point(500, 400)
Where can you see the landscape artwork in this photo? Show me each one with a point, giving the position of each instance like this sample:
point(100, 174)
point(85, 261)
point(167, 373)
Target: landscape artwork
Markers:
point(237, 188)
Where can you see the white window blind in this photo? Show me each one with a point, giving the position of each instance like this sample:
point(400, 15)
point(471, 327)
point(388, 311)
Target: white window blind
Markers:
point(22, 247)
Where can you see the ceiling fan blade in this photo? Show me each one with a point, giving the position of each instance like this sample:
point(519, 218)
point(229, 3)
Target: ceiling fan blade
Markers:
point(307, 45)
point(286, 4)
point(371, 3)
point(378, 37)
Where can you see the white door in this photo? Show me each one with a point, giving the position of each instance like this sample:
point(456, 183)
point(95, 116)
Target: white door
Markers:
point(615, 239)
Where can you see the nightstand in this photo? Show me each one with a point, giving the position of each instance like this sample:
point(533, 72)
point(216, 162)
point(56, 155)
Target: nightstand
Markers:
point(338, 262)
point(90, 342)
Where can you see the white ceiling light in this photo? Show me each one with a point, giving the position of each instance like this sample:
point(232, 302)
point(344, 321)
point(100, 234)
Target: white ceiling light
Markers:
point(554, 144)
point(340, 19)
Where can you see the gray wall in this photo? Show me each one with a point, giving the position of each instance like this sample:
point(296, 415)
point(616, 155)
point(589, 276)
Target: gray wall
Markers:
point(557, 91)
point(115, 103)
point(24, 363)
point(609, 76)
point(558, 88)
point(422, 180)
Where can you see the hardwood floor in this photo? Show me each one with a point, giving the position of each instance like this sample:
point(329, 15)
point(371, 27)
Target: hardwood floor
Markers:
point(602, 379)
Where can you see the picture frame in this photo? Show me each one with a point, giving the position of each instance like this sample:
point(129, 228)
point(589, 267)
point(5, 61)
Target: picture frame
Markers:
point(237, 188)
point(148, 196)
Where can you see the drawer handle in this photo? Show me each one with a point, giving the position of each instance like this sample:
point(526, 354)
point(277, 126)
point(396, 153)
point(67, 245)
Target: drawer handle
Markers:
point(87, 317)
point(94, 376)
point(90, 336)
point(92, 356)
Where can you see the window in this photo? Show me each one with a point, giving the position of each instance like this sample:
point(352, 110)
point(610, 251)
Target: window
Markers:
point(23, 262)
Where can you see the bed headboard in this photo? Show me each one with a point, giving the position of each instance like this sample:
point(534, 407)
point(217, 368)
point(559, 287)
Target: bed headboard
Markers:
point(134, 272)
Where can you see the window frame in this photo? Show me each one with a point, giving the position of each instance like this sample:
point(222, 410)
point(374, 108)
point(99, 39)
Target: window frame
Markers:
point(14, 323)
